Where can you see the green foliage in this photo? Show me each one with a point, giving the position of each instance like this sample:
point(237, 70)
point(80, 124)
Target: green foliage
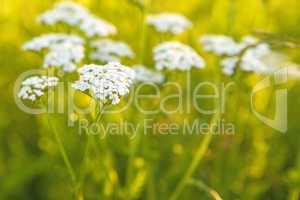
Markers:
point(254, 163)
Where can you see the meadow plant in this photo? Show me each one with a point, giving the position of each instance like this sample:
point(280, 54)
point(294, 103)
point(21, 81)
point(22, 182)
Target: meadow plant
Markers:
point(145, 75)
point(169, 23)
point(249, 54)
point(34, 87)
point(175, 55)
point(107, 50)
point(106, 83)
point(75, 15)
point(61, 50)
point(104, 71)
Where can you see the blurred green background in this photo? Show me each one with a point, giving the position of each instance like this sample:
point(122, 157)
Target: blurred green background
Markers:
point(255, 163)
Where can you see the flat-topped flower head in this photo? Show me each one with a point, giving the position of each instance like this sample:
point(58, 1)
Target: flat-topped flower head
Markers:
point(75, 15)
point(175, 55)
point(106, 83)
point(46, 41)
point(35, 87)
point(220, 45)
point(64, 12)
point(64, 56)
point(144, 75)
point(169, 23)
point(94, 26)
point(63, 51)
point(225, 45)
point(253, 59)
point(248, 54)
point(107, 50)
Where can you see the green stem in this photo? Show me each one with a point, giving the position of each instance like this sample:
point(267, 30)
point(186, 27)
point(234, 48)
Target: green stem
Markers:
point(63, 152)
point(134, 144)
point(194, 164)
point(97, 118)
point(83, 167)
point(202, 186)
point(151, 189)
point(144, 31)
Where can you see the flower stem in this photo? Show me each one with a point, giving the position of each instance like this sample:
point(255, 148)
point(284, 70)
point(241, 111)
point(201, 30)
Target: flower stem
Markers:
point(134, 145)
point(144, 33)
point(98, 114)
point(195, 162)
point(63, 152)
point(202, 186)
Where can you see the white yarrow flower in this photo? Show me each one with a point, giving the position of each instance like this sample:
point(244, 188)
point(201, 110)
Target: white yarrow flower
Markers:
point(94, 26)
point(63, 51)
point(107, 50)
point(75, 15)
point(105, 82)
point(220, 45)
point(142, 74)
point(175, 55)
point(248, 54)
point(34, 87)
point(169, 22)
point(64, 56)
point(64, 12)
point(225, 45)
point(251, 60)
point(46, 41)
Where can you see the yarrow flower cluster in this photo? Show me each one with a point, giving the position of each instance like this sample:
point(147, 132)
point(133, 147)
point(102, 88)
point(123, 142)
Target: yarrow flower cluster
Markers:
point(34, 87)
point(224, 45)
point(105, 82)
point(64, 12)
point(219, 44)
point(169, 23)
point(65, 56)
point(46, 41)
point(247, 54)
point(64, 51)
point(175, 55)
point(74, 14)
point(107, 50)
point(142, 74)
point(94, 26)
point(251, 60)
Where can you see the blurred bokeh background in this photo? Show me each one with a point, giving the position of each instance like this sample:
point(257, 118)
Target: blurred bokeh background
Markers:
point(254, 163)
